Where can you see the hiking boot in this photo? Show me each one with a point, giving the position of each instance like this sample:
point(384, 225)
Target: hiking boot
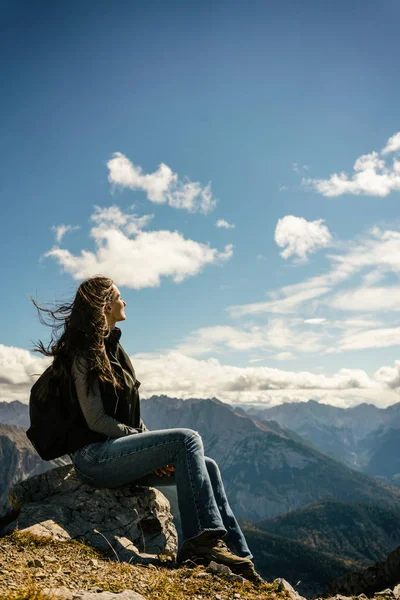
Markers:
point(206, 547)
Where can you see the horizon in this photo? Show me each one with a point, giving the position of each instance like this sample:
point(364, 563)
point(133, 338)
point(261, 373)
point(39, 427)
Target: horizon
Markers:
point(235, 171)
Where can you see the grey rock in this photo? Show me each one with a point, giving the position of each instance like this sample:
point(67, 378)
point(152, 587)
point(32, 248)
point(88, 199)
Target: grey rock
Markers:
point(225, 570)
point(130, 523)
point(285, 585)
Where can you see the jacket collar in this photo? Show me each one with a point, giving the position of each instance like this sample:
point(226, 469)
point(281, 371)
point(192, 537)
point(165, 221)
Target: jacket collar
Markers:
point(111, 342)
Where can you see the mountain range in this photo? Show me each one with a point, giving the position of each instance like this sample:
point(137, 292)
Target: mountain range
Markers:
point(364, 437)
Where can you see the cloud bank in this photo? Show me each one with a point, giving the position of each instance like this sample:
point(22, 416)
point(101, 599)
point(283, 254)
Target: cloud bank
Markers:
point(181, 376)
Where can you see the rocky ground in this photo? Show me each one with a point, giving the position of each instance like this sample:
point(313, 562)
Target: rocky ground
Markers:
point(29, 564)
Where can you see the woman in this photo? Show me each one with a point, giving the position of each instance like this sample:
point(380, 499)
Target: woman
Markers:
point(111, 447)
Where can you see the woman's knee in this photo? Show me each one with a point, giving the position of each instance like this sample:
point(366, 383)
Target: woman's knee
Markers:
point(186, 434)
point(191, 440)
point(211, 464)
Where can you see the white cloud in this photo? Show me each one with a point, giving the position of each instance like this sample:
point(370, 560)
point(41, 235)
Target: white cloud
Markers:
point(288, 304)
point(61, 230)
point(315, 321)
point(224, 224)
point(368, 299)
point(390, 376)
point(300, 237)
point(370, 338)
point(372, 176)
point(17, 367)
point(136, 258)
point(277, 335)
point(393, 144)
point(162, 186)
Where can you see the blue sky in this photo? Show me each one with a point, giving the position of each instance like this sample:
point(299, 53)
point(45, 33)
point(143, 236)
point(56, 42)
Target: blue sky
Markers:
point(251, 269)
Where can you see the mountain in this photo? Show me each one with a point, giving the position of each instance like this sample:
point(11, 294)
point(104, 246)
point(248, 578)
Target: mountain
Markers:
point(352, 435)
point(384, 454)
point(265, 473)
point(357, 532)
point(19, 460)
point(15, 413)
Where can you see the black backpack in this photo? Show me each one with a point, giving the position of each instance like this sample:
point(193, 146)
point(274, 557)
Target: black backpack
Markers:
point(51, 415)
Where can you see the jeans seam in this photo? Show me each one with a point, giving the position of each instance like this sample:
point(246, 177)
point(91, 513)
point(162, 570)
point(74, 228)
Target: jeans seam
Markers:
point(191, 485)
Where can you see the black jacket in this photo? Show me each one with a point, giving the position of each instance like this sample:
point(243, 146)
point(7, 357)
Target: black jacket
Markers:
point(122, 404)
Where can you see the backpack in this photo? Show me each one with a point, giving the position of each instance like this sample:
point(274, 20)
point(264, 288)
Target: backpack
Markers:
point(51, 415)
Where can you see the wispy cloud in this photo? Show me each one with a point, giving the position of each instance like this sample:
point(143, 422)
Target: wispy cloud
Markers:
point(372, 175)
point(61, 230)
point(137, 258)
point(298, 168)
point(368, 299)
point(371, 338)
point(279, 334)
point(162, 186)
point(378, 251)
point(300, 237)
point(284, 356)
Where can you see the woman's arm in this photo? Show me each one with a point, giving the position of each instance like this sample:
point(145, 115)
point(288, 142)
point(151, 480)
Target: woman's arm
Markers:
point(93, 408)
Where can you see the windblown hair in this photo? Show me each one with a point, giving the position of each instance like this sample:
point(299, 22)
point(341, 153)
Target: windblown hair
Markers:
point(84, 328)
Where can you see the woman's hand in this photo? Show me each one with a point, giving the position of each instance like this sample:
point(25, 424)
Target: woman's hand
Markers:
point(167, 470)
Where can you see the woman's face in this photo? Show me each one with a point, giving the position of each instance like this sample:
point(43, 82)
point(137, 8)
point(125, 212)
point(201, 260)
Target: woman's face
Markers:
point(115, 310)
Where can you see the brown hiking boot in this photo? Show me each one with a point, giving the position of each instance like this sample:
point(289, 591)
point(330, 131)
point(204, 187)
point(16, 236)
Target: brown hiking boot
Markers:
point(206, 547)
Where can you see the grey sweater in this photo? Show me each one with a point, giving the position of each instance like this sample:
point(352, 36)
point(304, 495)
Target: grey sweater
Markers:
point(93, 408)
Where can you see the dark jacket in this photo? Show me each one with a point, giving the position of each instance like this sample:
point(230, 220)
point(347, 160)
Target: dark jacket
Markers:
point(122, 404)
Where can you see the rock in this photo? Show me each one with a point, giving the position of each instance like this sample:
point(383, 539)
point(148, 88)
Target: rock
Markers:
point(396, 591)
point(218, 568)
point(387, 592)
point(202, 574)
point(133, 523)
point(225, 570)
point(285, 585)
point(63, 593)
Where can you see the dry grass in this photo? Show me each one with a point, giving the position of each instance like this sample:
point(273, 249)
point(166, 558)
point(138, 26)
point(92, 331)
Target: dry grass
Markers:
point(78, 566)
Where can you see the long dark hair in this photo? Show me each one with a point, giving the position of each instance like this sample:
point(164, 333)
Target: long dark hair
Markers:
point(84, 330)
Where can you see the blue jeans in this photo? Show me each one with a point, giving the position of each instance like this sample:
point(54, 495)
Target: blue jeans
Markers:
point(202, 501)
